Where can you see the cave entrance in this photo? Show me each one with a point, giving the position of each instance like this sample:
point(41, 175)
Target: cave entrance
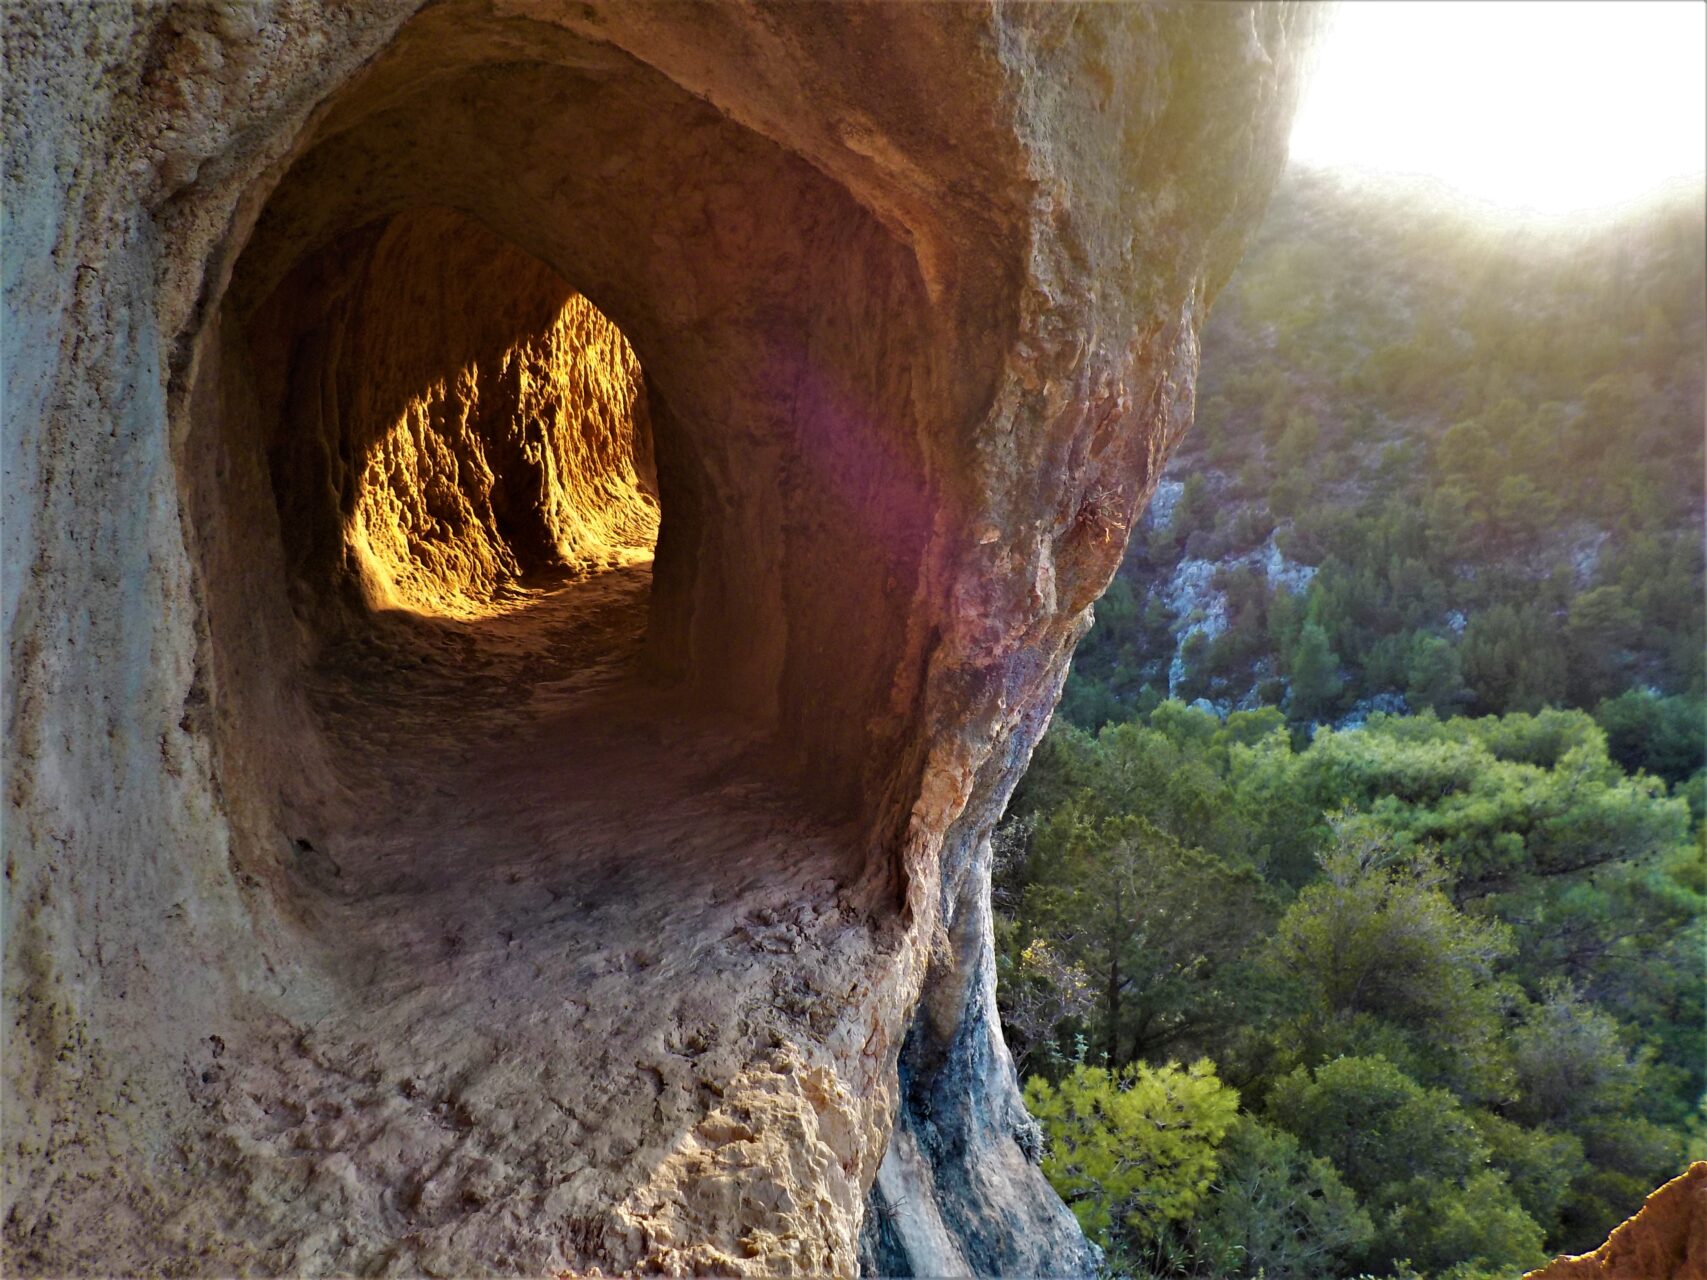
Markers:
point(554, 455)
point(540, 405)
point(460, 452)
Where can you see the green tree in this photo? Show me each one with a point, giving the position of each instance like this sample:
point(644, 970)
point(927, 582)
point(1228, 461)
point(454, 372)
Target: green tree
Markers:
point(1380, 1128)
point(1665, 736)
point(1513, 660)
point(1434, 678)
point(1278, 1211)
point(1540, 1164)
point(1297, 448)
point(1133, 1150)
point(1570, 1060)
point(1477, 1221)
point(1385, 959)
point(1602, 633)
point(1193, 511)
point(1465, 453)
point(1316, 680)
point(1523, 512)
point(1415, 1157)
point(1159, 928)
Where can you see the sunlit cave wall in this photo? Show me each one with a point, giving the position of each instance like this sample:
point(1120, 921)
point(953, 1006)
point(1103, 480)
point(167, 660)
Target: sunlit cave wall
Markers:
point(448, 417)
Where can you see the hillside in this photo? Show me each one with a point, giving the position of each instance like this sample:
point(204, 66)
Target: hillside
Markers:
point(1376, 795)
point(1437, 464)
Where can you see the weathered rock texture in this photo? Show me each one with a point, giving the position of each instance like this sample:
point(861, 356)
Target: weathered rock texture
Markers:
point(1666, 1240)
point(401, 876)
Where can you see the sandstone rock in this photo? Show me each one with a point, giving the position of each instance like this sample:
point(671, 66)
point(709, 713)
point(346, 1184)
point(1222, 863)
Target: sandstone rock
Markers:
point(405, 874)
point(1666, 1240)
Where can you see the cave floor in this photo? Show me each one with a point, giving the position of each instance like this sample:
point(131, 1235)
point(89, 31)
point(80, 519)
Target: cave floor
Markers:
point(560, 917)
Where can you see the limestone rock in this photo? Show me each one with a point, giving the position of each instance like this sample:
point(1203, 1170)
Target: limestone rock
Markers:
point(1666, 1240)
point(408, 870)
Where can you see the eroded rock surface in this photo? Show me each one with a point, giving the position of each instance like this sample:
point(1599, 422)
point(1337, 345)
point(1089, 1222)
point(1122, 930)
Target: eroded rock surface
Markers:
point(409, 869)
point(1666, 1240)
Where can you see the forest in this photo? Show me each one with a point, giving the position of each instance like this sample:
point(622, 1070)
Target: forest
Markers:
point(1436, 466)
point(1350, 919)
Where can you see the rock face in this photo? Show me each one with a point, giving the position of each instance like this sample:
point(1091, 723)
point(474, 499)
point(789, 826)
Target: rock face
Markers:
point(406, 871)
point(1666, 1240)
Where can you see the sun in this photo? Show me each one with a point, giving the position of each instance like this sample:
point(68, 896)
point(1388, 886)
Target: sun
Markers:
point(1542, 108)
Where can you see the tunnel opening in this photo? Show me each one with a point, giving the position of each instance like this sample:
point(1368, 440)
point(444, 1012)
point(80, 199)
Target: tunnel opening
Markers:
point(453, 591)
point(790, 384)
point(454, 430)
point(555, 466)
point(460, 455)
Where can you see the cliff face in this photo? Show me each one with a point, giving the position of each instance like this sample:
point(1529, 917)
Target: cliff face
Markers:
point(1666, 1240)
point(407, 867)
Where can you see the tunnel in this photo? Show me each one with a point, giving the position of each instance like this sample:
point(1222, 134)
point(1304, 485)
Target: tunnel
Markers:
point(560, 484)
point(392, 300)
point(541, 538)
point(450, 422)
point(535, 383)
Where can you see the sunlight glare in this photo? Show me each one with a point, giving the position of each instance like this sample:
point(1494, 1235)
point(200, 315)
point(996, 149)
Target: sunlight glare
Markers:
point(1548, 108)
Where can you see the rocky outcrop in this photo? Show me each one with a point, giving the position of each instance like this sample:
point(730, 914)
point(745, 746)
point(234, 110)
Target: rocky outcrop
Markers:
point(1666, 1240)
point(404, 872)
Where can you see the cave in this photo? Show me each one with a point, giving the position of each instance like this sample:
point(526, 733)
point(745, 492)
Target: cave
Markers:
point(526, 503)
point(463, 502)
point(552, 532)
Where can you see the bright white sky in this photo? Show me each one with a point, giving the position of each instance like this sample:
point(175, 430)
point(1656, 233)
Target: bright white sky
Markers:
point(1533, 105)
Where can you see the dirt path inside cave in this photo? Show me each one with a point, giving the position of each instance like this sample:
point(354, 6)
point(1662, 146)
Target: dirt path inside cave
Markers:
point(563, 918)
point(494, 771)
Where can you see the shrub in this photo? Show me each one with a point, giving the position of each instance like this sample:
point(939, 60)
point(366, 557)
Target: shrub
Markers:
point(1133, 1150)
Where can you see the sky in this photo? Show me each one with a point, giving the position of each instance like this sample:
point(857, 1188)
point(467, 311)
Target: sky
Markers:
point(1528, 106)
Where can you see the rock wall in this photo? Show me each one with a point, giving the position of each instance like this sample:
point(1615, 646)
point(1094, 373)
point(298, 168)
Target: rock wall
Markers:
point(370, 906)
point(1666, 1240)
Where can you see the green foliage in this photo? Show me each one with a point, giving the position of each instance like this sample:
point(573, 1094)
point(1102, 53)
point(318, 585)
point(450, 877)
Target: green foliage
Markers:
point(1453, 964)
point(1458, 961)
point(1416, 1157)
point(1315, 668)
point(1378, 949)
point(1468, 789)
point(1434, 675)
point(1383, 1131)
point(1541, 1164)
point(1663, 736)
point(1133, 1150)
point(1495, 444)
point(1513, 660)
point(1278, 1211)
point(1155, 924)
point(1570, 1060)
point(1477, 1223)
point(1602, 635)
point(1193, 513)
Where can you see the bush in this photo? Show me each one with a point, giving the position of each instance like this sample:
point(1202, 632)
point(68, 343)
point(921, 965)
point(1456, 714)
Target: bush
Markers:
point(1383, 1132)
point(1134, 1150)
point(1666, 737)
point(1418, 1160)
